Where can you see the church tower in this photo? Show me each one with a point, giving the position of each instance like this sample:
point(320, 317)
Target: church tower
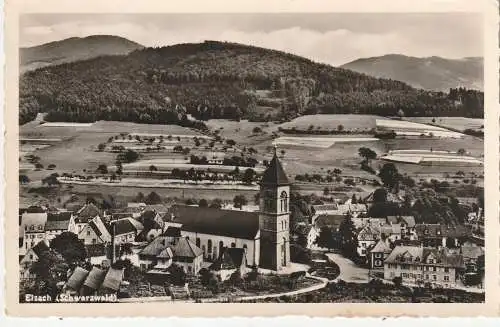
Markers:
point(274, 217)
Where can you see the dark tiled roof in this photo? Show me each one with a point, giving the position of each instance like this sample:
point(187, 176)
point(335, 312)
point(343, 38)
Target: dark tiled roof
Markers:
point(419, 255)
point(231, 223)
point(155, 247)
point(331, 221)
point(122, 226)
point(40, 248)
point(186, 249)
point(274, 174)
point(87, 212)
point(438, 231)
point(35, 209)
point(95, 278)
point(231, 258)
point(75, 281)
point(113, 279)
point(172, 232)
point(58, 221)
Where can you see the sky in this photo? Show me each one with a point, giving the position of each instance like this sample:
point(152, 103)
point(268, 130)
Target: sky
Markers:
point(332, 38)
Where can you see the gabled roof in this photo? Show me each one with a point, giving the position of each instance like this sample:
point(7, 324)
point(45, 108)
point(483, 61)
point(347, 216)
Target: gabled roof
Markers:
point(472, 252)
point(122, 226)
point(95, 278)
point(113, 279)
point(35, 222)
point(274, 175)
point(231, 223)
point(326, 207)
point(58, 220)
point(186, 249)
point(40, 248)
point(419, 255)
point(331, 221)
point(428, 230)
point(381, 246)
point(390, 230)
point(87, 212)
point(408, 220)
point(368, 233)
point(231, 258)
point(75, 281)
point(155, 247)
point(166, 254)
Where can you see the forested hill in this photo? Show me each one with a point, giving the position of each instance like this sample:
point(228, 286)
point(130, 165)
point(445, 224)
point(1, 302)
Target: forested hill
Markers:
point(431, 73)
point(74, 49)
point(221, 80)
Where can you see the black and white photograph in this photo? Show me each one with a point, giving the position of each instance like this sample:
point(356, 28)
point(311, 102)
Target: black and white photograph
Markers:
point(251, 158)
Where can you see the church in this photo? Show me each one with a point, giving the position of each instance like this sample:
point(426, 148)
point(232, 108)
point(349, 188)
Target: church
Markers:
point(263, 235)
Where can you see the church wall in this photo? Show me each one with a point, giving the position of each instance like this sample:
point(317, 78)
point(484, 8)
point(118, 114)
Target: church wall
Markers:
point(252, 245)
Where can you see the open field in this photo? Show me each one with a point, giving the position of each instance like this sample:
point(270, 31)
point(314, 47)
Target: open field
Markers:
point(319, 142)
point(62, 124)
point(457, 123)
point(406, 128)
point(426, 157)
point(330, 122)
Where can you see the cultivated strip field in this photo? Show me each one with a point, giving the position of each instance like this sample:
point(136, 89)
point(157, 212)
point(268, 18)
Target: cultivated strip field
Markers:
point(456, 123)
point(423, 157)
point(62, 124)
point(330, 122)
point(406, 128)
point(319, 142)
point(168, 165)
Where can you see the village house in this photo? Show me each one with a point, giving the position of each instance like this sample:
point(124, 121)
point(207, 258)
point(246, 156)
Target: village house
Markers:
point(163, 251)
point(32, 229)
point(95, 231)
point(305, 234)
point(472, 255)
point(368, 236)
point(418, 265)
point(230, 261)
point(216, 158)
point(59, 222)
point(435, 235)
point(125, 230)
point(86, 213)
point(31, 257)
point(325, 209)
point(378, 254)
point(407, 225)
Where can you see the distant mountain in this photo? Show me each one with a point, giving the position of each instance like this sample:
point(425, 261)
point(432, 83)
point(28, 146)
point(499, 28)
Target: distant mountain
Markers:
point(432, 73)
point(221, 80)
point(74, 49)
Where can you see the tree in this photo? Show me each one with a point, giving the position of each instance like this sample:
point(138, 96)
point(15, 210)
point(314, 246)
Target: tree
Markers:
point(177, 275)
point(153, 198)
point(389, 175)
point(380, 195)
point(348, 237)
point(340, 127)
point(51, 167)
point(216, 203)
point(353, 199)
point(101, 147)
point(398, 281)
point(239, 201)
point(367, 153)
point(51, 180)
point(38, 166)
point(49, 269)
point(185, 151)
point(23, 179)
point(102, 169)
point(129, 156)
point(231, 142)
point(203, 203)
point(461, 151)
point(152, 169)
point(248, 176)
point(140, 197)
point(119, 167)
point(70, 247)
point(325, 238)
point(326, 191)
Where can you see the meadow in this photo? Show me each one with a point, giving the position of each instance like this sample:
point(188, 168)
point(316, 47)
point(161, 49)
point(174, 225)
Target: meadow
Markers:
point(456, 123)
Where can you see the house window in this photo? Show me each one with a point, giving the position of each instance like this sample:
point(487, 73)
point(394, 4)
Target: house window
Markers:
point(433, 268)
point(233, 245)
point(434, 277)
point(446, 269)
point(209, 246)
point(378, 255)
point(446, 278)
point(282, 225)
point(198, 242)
point(378, 263)
point(94, 241)
point(203, 249)
point(426, 276)
point(88, 233)
point(221, 247)
point(431, 261)
point(31, 256)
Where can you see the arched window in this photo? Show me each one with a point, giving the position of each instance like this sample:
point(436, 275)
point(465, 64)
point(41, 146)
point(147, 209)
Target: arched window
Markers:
point(284, 201)
point(282, 225)
point(221, 247)
point(209, 246)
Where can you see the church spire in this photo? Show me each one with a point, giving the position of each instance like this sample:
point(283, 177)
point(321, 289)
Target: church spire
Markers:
point(275, 174)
